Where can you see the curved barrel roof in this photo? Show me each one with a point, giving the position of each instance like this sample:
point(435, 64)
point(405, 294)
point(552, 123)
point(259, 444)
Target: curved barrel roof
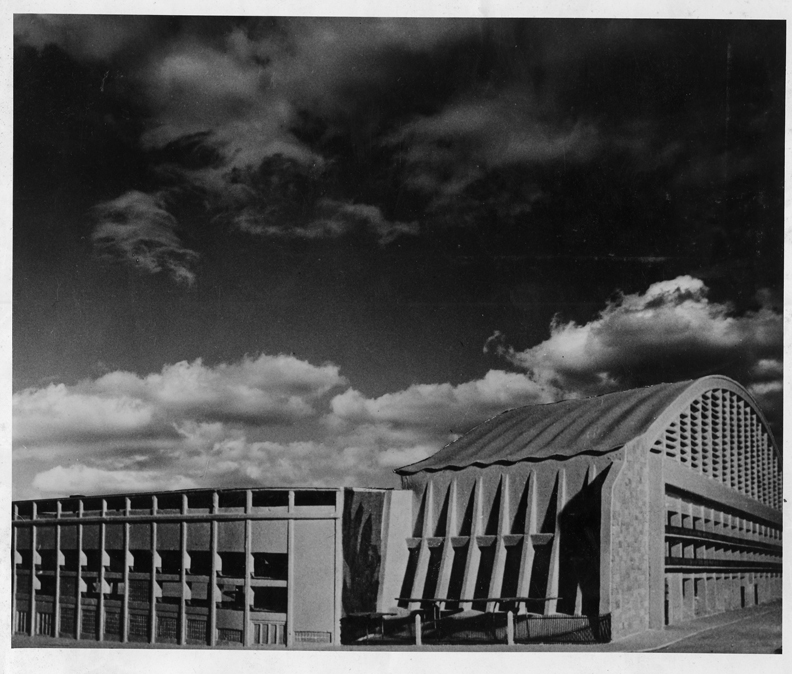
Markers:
point(561, 429)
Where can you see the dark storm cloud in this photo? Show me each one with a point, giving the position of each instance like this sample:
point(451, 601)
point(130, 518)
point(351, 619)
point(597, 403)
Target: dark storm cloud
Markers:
point(407, 186)
point(571, 129)
point(94, 38)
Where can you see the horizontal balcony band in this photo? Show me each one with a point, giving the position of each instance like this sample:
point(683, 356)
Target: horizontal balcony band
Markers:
point(474, 599)
point(708, 536)
point(482, 540)
point(198, 517)
point(683, 563)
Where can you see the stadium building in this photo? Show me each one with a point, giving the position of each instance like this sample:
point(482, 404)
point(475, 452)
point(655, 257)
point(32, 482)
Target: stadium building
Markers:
point(592, 518)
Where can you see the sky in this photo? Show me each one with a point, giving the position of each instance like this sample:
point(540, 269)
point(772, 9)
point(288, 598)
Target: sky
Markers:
point(296, 251)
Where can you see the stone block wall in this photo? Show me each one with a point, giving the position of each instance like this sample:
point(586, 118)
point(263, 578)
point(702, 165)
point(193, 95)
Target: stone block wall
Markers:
point(629, 587)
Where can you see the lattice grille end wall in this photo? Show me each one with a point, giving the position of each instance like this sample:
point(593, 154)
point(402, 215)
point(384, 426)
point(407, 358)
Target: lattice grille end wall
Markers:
point(721, 436)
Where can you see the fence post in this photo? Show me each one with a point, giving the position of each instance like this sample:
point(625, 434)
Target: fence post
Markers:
point(509, 628)
point(418, 641)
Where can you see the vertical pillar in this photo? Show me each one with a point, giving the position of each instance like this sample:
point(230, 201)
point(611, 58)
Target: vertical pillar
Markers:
point(58, 559)
point(711, 589)
point(153, 585)
point(422, 565)
point(339, 568)
point(418, 636)
point(290, 574)
point(717, 605)
point(526, 563)
point(656, 540)
point(183, 573)
point(14, 552)
point(552, 583)
point(496, 582)
point(447, 560)
point(127, 560)
point(473, 553)
point(675, 612)
point(509, 628)
point(578, 600)
point(247, 590)
point(100, 612)
point(212, 593)
point(33, 552)
point(78, 590)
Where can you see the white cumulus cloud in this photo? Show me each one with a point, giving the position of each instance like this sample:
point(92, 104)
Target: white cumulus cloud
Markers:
point(262, 390)
point(670, 332)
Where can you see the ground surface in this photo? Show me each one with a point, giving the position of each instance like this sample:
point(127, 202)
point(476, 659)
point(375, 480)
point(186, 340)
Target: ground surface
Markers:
point(751, 630)
point(761, 633)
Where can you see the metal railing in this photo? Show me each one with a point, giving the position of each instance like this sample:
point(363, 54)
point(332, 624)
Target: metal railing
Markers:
point(432, 625)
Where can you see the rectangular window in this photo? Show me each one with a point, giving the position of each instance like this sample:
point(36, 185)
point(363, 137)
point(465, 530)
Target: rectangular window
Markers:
point(314, 498)
point(200, 562)
point(233, 564)
point(139, 590)
point(270, 499)
point(271, 599)
point(232, 501)
point(231, 596)
point(270, 565)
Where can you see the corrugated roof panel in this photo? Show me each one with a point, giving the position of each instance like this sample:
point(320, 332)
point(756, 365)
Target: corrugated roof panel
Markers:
point(564, 428)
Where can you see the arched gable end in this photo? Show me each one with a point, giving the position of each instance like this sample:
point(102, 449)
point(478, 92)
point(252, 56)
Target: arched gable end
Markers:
point(716, 429)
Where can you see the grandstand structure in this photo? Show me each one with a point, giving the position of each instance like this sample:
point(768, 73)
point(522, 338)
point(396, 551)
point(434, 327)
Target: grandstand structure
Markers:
point(586, 519)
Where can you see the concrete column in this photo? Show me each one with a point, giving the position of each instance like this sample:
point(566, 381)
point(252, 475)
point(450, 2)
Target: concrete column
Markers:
point(339, 568)
point(78, 591)
point(688, 600)
point(473, 553)
point(551, 605)
point(675, 609)
point(447, 559)
point(526, 563)
point(125, 598)
point(247, 591)
point(14, 516)
point(422, 565)
point(100, 612)
point(56, 600)
point(153, 585)
point(290, 575)
point(496, 582)
point(213, 575)
point(656, 540)
point(182, 638)
point(33, 552)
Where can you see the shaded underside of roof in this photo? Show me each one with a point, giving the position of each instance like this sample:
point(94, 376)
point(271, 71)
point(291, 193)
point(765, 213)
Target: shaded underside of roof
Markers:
point(563, 429)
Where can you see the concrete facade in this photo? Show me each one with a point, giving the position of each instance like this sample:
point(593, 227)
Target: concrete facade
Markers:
point(681, 520)
point(249, 567)
point(619, 514)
